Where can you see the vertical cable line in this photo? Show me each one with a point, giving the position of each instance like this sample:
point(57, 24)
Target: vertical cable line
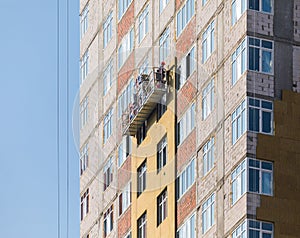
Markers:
point(57, 123)
point(68, 159)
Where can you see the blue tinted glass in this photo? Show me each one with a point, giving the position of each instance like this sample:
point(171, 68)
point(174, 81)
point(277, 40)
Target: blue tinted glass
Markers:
point(267, 105)
point(254, 102)
point(266, 122)
point(267, 165)
point(253, 234)
point(233, 12)
point(234, 73)
point(254, 163)
point(253, 180)
point(267, 61)
point(254, 224)
point(253, 41)
point(267, 5)
point(267, 226)
point(264, 235)
point(254, 4)
point(253, 119)
point(266, 183)
point(253, 59)
point(267, 44)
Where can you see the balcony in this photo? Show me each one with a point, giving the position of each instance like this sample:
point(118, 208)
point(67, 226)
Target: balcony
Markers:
point(148, 92)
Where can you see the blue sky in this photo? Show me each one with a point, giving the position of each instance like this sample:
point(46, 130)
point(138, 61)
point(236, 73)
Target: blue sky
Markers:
point(28, 63)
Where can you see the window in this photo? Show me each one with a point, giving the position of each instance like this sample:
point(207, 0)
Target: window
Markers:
point(107, 125)
point(108, 173)
point(124, 199)
point(84, 65)
point(187, 230)
point(238, 7)
point(84, 157)
point(204, 2)
point(208, 209)
point(208, 41)
point(142, 226)
point(107, 77)
point(143, 23)
point(125, 98)
point(84, 204)
point(253, 228)
point(125, 48)
point(141, 179)
point(208, 156)
point(108, 221)
point(260, 177)
point(162, 5)
point(186, 178)
point(261, 5)
point(238, 119)
point(83, 112)
point(141, 133)
point(123, 6)
point(128, 235)
point(162, 106)
point(260, 115)
point(207, 99)
point(238, 181)
point(186, 68)
point(162, 153)
point(84, 21)
point(186, 124)
point(238, 62)
point(164, 45)
point(260, 55)
point(162, 207)
point(184, 15)
point(240, 231)
point(144, 68)
point(124, 150)
point(107, 29)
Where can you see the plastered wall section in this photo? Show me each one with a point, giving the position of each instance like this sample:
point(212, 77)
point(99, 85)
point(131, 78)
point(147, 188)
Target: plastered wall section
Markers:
point(283, 208)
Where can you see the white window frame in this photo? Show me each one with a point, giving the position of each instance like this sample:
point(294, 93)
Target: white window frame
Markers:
point(208, 94)
point(126, 97)
point(164, 45)
point(239, 121)
point(84, 112)
point(184, 16)
point(204, 2)
point(143, 24)
point(208, 41)
point(107, 125)
point(125, 48)
point(238, 7)
point(128, 235)
point(124, 150)
point(144, 68)
point(208, 156)
point(108, 220)
point(108, 173)
point(125, 199)
point(260, 7)
point(162, 153)
point(123, 5)
point(188, 228)
point(162, 5)
point(142, 226)
point(84, 66)
point(262, 50)
point(187, 123)
point(84, 21)
point(107, 29)
point(243, 230)
point(208, 213)
point(239, 62)
point(261, 110)
point(84, 155)
point(187, 66)
point(261, 171)
point(162, 207)
point(186, 178)
point(142, 178)
point(108, 77)
point(84, 204)
point(239, 181)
